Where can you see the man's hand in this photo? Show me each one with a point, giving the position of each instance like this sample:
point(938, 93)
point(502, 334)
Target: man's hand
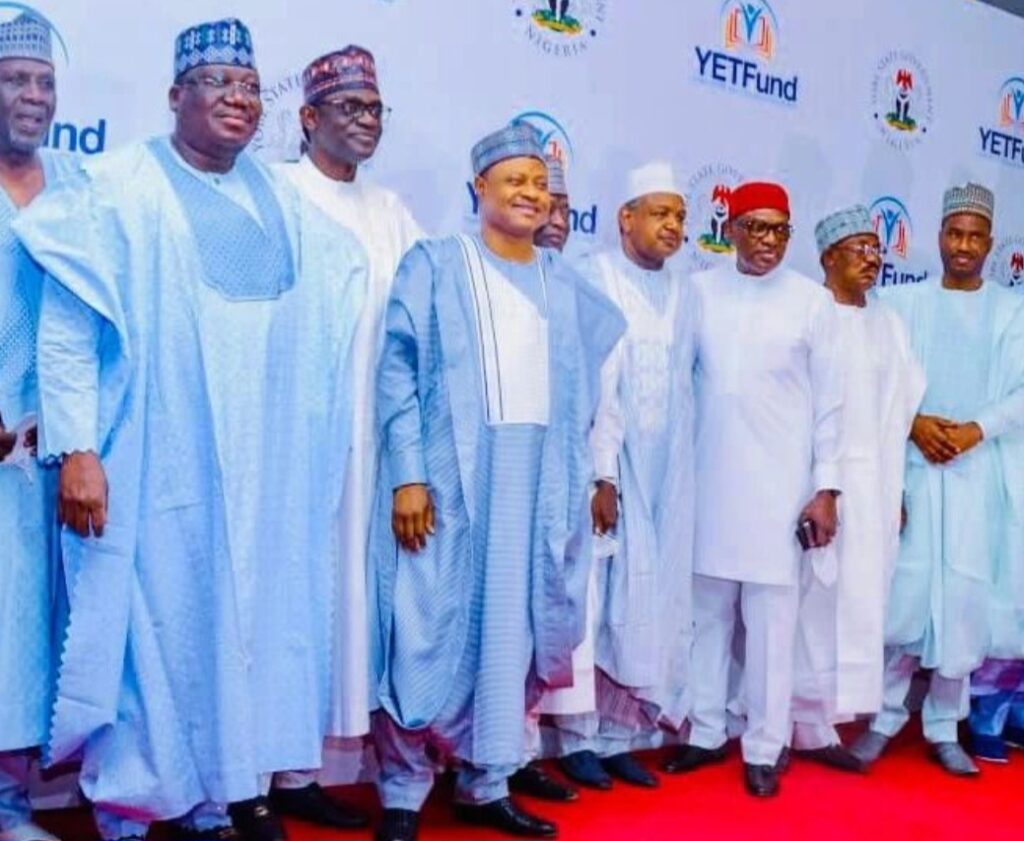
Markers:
point(933, 437)
point(7, 442)
point(32, 440)
point(82, 496)
point(604, 507)
point(412, 516)
point(965, 436)
point(821, 511)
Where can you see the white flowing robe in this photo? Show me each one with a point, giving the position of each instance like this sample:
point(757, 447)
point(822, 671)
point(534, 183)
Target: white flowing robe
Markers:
point(643, 440)
point(768, 424)
point(840, 638)
point(386, 230)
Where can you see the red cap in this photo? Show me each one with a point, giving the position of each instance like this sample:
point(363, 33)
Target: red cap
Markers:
point(757, 195)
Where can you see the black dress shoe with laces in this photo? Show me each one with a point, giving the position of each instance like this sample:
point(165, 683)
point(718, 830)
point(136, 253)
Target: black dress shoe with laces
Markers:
point(584, 767)
point(255, 820)
point(314, 805)
point(690, 757)
point(398, 825)
point(505, 816)
point(625, 767)
point(533, 782)
point(761, 780)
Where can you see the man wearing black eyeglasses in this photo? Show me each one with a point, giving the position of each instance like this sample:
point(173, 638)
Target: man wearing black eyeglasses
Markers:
point(769, 400)
point(844, 588)
point(342, 120)
point(195, 325)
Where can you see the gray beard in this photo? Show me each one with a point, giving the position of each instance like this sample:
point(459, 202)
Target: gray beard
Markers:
point(25, 144)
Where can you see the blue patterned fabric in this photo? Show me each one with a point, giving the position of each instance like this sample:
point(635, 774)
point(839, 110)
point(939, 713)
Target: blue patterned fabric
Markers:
point(242, 259)
point(431, 409)
point(30, 585)
point(225, 41)
point(958, 585)
point(518, 140)
point(27, 36)
point(199, 647)
point(842, 224)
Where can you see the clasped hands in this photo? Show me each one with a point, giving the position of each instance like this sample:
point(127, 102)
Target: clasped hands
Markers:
point(941, 440)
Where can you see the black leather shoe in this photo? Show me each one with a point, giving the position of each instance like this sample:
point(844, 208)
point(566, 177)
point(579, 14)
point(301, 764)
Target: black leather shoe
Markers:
point(761, 780)
point(255, 820)
point(398, 825)
point(835, 756)
point(584, 767)
point(314, 805)
point(505, 816)
point(532, 781)
point(782, 763)
point(688, 757)
point(625, 767)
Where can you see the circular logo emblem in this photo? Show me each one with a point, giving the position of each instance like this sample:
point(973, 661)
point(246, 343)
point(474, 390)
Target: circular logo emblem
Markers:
point(901, 97)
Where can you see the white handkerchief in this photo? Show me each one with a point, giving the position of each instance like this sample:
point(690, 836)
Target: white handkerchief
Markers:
point(605, 546)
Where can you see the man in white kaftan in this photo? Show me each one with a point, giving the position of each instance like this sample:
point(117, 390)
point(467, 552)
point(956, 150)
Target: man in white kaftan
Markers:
point(769, 399)
point(642, 442)
point(195, 328)
point(342, 120)
point(958, 587)
point(844, 587)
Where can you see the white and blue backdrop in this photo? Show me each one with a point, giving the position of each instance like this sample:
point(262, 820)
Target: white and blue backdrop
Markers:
point(885, 102)
point(881, 101)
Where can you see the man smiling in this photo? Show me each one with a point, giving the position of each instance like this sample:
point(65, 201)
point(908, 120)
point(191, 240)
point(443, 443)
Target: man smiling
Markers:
point(189, 333)
point(343, 120)
point(486, 390)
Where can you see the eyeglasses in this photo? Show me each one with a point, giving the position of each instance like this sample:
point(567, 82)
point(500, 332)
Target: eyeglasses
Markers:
point(220, 86)
point(353, 109)
point(865, 250)
point(757, 229)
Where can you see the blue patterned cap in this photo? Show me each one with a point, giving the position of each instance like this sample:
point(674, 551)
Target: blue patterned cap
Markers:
point(970, 198)
point(519, 140)
point(27, 36)
point(848, 222)
point(225, 41)
point(556, 176)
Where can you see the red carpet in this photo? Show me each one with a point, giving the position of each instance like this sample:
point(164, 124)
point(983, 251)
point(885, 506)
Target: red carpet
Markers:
point(905, 796)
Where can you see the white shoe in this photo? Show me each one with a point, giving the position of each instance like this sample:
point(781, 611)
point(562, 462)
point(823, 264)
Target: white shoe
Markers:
point(27, 832)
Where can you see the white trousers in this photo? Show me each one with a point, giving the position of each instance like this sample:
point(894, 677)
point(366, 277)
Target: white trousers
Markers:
point(947, 701)
point(769, 613)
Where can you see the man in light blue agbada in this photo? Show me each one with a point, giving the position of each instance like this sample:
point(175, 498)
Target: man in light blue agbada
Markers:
point(192, 348)
point(957, 590)
point(30, 584)
point(486, 389)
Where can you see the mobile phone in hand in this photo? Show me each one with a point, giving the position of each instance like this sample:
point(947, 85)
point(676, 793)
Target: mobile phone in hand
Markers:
point(805, 534)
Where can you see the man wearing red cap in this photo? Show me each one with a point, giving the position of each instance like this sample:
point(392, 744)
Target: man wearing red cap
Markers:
point(342, 121)
point(769, 399)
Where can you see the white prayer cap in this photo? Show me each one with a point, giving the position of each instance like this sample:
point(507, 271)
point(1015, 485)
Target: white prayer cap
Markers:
point(654, 177)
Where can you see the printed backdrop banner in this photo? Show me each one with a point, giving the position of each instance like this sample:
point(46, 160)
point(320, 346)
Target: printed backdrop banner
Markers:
point(886, 102)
